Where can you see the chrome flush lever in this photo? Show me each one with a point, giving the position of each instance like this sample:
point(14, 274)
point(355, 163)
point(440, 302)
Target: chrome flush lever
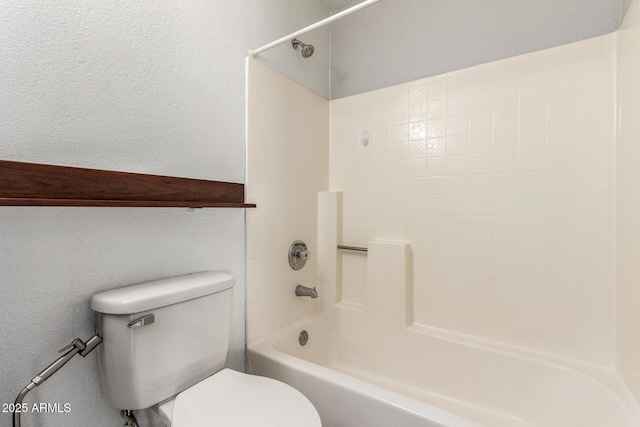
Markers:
point(142, 321)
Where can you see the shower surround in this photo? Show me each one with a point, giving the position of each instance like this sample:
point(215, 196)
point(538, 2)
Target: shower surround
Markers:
point(628, 212)
point(500, 176)
point(287, 165)
point(498, 182)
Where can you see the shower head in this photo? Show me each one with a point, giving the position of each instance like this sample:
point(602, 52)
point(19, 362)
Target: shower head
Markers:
point(307, 49)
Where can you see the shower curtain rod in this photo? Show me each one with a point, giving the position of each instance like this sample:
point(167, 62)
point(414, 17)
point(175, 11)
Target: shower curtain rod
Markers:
point(330, 19)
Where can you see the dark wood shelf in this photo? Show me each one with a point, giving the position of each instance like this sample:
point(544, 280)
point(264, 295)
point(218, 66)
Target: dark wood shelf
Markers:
point(34, 184)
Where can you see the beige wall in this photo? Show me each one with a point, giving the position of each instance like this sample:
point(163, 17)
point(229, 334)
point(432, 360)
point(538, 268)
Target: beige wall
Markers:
point(287, 155)
point(500, 176)
point(628, 147)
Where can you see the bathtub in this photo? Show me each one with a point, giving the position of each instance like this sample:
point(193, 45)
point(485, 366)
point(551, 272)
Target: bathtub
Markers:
point(359, 371)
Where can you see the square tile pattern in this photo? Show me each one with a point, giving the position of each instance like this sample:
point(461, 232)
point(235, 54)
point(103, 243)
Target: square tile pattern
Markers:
point(287, 165)
point(500, 177)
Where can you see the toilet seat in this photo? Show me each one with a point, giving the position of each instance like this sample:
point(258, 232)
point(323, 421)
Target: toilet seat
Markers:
point(233, 399)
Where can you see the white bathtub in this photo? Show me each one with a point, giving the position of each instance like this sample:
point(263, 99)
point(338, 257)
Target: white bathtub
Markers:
point(360, 372)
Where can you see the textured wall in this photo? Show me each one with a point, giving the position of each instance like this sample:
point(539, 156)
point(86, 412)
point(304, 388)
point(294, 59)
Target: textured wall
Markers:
point(628, 309)
point(287, 165)
point(137, 86)
point(396, 41)
point(500, 176)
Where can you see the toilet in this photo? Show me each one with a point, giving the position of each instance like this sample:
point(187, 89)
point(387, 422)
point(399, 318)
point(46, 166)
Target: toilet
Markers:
point(164, 347)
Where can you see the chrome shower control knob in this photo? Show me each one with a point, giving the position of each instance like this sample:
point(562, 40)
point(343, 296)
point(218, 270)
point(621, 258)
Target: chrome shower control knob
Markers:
point(303, 255)
point(298, 254)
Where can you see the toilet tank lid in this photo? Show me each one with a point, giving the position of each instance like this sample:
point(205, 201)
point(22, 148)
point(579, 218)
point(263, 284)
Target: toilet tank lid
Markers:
point(160, 293)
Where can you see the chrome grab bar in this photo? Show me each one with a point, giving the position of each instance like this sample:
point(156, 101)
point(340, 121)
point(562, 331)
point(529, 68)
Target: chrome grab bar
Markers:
point(353, 248)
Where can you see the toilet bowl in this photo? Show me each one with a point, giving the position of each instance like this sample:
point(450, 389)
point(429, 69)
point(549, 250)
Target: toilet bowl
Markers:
point(164, 347)
point(229, 398)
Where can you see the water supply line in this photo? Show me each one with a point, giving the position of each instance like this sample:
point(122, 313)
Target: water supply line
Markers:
point(76, 346)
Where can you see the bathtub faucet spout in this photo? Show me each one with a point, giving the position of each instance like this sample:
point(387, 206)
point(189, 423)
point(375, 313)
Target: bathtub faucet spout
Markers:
point(303, 291)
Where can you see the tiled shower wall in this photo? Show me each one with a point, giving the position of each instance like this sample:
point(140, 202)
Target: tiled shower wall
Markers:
point(628, 289)
point(287, 165)
point(500, 177)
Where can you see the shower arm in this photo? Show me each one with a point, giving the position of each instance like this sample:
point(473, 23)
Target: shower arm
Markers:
point(330, 19)
point(76, 346)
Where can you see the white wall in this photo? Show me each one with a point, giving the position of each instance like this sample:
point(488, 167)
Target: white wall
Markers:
point(137, 86)
point(500, 176)
point(396, 41)
point(628, 164)
point(287, 165)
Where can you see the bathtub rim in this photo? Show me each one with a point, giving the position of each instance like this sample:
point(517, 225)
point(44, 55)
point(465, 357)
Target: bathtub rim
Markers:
point(606, 377)
point(266, 349)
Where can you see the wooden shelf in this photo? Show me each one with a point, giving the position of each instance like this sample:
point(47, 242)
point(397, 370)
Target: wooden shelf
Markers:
point(34, 184)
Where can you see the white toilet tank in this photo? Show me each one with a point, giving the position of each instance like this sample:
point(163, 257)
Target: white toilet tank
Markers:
point(181, 336)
